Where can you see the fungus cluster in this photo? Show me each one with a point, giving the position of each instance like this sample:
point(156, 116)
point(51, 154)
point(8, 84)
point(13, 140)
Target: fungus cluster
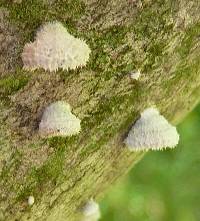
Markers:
point(151, 131)
point(55, 48)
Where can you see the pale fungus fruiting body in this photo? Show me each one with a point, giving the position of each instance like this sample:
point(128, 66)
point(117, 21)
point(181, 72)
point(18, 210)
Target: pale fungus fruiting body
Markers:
point(57, 120)
point(135, 75)
point(152, 131)
point(91, 211)
point(31, 200)
point(55, 48)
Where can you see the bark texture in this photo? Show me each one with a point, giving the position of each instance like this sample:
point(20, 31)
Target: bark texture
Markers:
point(159, 37)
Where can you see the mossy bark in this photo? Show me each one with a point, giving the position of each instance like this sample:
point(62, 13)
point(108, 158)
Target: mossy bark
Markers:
point(160, 38)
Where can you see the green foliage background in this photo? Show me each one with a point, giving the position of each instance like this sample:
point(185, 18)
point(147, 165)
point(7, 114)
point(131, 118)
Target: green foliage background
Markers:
point(164, 186)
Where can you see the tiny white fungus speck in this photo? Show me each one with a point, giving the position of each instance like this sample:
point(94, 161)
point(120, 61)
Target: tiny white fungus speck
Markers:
point(31, 200)
point(57, 120)
point(135, 75)
point(54, 47)
point(91, 211)
point(151, 131)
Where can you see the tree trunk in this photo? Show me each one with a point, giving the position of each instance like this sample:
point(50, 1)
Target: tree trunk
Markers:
point(158, 37)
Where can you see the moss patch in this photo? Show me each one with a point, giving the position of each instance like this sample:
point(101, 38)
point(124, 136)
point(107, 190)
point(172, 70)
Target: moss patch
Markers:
point(30, 13)
point(48, 173)
point(13, 83)
point(190, 39)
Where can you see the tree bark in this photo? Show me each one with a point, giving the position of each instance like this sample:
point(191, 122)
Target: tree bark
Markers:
point(160, 38)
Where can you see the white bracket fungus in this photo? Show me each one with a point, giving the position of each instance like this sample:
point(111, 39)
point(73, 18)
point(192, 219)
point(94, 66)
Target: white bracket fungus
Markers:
point(57, 120)
point(31, 200)
point(135, 75)
point(91, 211)
point(55, 48)
point(152, 131)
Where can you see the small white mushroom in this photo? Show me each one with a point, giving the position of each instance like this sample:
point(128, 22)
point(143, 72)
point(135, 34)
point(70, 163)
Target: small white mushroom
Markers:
point(31, 200)
point(135, 74)
point(91, 211)
point(57, 120)
point(55, 48)
point(152, 131)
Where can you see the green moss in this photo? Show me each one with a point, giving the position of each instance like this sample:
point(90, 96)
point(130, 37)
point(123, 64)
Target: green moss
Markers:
point(110, 107)
point(149, 25)
point(186, 70)
point(119, 33)
point(68, 9)
point(190, 39)
point(12, 165)
point(48, 173)
point(13, 83)
point(31, 13)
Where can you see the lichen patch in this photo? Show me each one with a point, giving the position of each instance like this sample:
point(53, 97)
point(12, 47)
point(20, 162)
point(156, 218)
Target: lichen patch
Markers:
point(9, 43)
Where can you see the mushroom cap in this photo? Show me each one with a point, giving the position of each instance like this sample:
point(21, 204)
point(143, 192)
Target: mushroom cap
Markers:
point(57, 120)
point(31, 200)
point(152, 131)
point(55, 48)
point(91, 211)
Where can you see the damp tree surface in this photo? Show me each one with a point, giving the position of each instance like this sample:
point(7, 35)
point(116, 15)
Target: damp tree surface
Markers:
point(159, 38)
